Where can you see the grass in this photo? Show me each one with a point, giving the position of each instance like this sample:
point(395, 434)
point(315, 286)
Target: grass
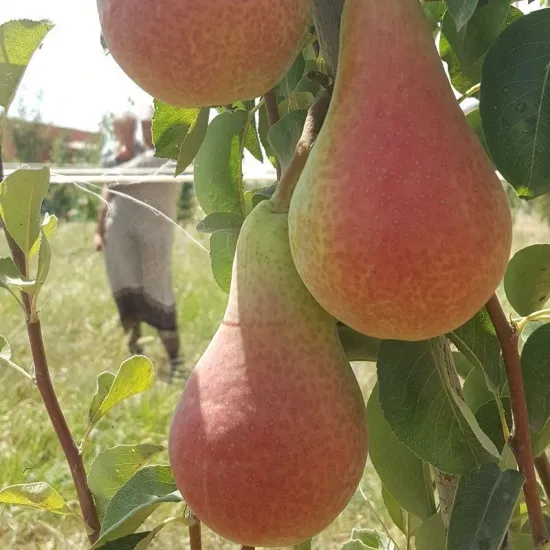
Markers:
point(83, 338)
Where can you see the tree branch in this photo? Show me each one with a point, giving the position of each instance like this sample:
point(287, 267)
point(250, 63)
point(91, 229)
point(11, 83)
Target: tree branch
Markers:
point(521, 439)
point(47, 392)
point(272, 110)
point(314, 121)
point(195, 536)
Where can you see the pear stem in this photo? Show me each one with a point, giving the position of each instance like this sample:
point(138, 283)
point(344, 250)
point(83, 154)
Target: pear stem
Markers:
point(314, 121)
point(521, 439)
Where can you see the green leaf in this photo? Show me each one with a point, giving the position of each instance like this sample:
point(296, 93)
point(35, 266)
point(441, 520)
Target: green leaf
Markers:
point(49, 225)
point(193, 140)
point(403, 474)
point(135, 501)
point(535, 365)
point(459, 79)
point(488, 419)
point(477, 341)
point(291, 79)
point(170, 128)
point(464, 52)
point(482, 508)
point(37, 495)
point(221, 221)
point(112, 468)
point(461, 11)
point(5, 349)
point(285, 134)
point(521, 541)
point(44, 262)
point(21, 196)
point(541, 440)
point(223, 245)
point(355, 545)
point(434, 12)
point(394, 510)
point(423, 409)
point(373, 540)
point(218, 171)
point(129, 542)
point(471, 43)
point(474, 120)
point(304, 545)
point(134, 376)
point(463, 366)
point(431, 535)
point(476, 393)
point(296, 101)
point(515, 103)
point(252, 141)
point(10, 277)
point(263, 130)
point(18, 40)
point(527, 279)
point(104, 382)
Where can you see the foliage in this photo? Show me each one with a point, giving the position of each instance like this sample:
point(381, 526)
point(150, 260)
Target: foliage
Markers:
point(426, 423)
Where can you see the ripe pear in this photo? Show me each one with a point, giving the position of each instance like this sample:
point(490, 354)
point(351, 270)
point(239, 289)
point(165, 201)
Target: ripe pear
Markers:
point(268, 442)
point(198, 53)
point(399, 226)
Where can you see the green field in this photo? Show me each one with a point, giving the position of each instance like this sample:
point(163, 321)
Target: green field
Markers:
point(82, 339)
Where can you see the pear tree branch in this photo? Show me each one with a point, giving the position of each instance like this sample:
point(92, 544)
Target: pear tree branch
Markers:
point(521, 438)
point(272, 110)
point(195, 536)
point(49, 397)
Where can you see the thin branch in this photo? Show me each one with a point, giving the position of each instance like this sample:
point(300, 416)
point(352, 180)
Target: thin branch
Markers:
point(272, 110)
point(521, 439)
point(247, 547)
point(47, 392)
point(314, 121)
point(195, 538)
point(542, 465)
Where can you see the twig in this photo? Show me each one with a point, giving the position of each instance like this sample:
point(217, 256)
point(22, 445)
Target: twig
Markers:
point(272, 110)
point(247, 547)
point(542, 465)
point(314, 121)
point(521, 439)
point(47, 392)
point(195, 538)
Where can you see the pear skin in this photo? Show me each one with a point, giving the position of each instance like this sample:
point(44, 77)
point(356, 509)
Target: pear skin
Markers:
point(268, 442)
point(199, 53)
point(399, 226)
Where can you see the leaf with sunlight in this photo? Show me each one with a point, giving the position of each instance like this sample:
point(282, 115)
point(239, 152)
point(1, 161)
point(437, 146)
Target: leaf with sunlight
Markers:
point(21, 196)
point(18, 41)
point(37, 495)
point(136, 500)
point(134, 376)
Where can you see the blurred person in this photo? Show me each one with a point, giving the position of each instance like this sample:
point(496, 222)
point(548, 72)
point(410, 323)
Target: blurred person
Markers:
point(137, 242)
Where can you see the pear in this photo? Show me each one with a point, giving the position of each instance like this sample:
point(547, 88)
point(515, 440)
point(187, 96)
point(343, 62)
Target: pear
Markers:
point(268, 442)
point(199, 53)
point(399, 226)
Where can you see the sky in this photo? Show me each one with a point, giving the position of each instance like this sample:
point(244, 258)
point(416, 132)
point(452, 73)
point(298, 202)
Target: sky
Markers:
point(79, 83)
